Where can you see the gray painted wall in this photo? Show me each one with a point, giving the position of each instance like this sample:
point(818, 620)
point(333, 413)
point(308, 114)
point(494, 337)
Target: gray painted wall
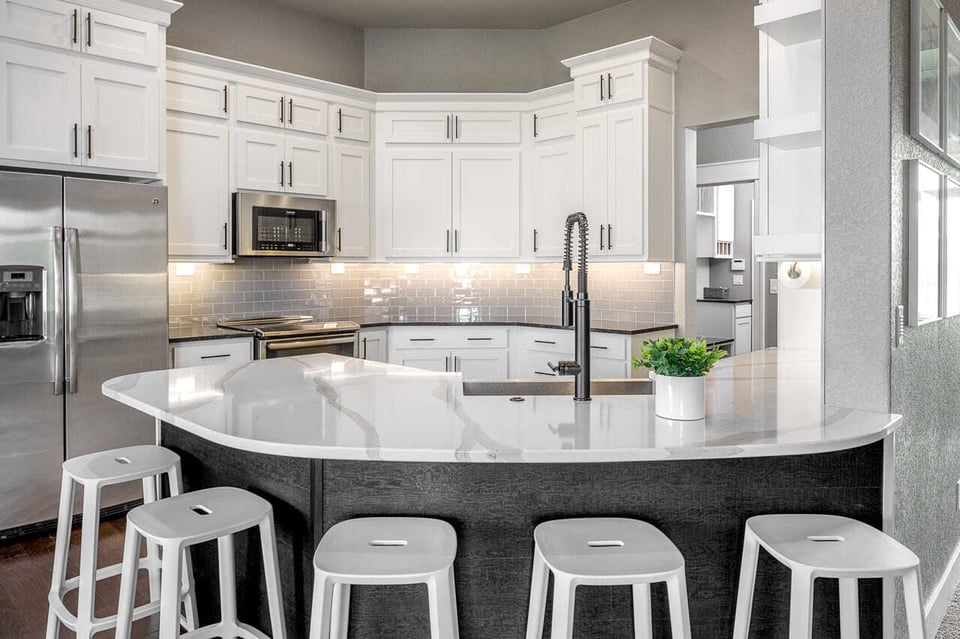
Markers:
point(727, 143)
point(271, 35)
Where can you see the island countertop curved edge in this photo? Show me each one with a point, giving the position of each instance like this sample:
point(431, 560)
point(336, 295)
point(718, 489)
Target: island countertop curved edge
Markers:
point(761, 404)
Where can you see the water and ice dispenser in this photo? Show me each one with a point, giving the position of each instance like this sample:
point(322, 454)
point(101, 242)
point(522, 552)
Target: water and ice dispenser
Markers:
point(21, 303)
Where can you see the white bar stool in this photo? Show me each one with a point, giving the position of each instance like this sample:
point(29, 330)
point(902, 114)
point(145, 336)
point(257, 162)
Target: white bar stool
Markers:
point(93, 472)
point(177, 523)
point(815, 546)
point(384, 551)
point(604, 552)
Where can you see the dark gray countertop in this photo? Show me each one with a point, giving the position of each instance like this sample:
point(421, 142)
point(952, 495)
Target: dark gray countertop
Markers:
point(746, 301)
point(200, 333)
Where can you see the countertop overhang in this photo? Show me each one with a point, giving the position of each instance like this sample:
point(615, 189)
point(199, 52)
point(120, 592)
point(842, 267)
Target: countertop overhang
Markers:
point(761, 404)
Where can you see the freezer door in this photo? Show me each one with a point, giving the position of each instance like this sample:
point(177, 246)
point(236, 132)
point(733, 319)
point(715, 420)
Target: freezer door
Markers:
point(116, 308)
point(31, 413)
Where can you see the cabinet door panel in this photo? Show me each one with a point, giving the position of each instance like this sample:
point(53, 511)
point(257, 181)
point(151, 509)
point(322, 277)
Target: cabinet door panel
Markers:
point(553, 122)
point(486, 127)
point(589, 91)
point(120, 117)
point(39, 105)
point(625, 83)
point(306, 114)
point(417, 201)
point(601, 368)
point(554, 195)
point(351, 175)
point(350, 123)
point(49, 22)
point(486, 203)
point(481, 363)
point(418, 127)
point(196, 94)
point(743, 336)
point(307, 166)
point(431, 360)
point(592, 172)
point(373, 345)
point(121, 38)
point(260, 106)
point(198, 188)
point(259, 160)
point(625, 201)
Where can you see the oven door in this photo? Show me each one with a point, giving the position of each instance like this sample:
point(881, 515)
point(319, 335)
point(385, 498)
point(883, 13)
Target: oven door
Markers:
point(340, 344)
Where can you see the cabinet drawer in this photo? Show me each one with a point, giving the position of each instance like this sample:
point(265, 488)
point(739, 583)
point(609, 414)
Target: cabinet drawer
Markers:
point(413, 127)
point(448, 337)
point(547, 341)
point(606, 346)
point(743, 310)
point(480, 337)
point(212, 352)
point(350, 123)
point(196, 94)
point(553, 122)
point(486, 127)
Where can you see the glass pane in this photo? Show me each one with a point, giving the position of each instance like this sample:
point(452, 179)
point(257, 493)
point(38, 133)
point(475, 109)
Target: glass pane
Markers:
point(928, 245)
point(930, 71)
point(952, 115)
point(952, 253)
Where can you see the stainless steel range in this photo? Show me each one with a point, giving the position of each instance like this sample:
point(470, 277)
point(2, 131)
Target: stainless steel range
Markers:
point(297, 335)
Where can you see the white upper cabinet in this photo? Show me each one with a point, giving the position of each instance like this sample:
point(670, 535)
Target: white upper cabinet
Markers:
point(350, 123)
point(260, 160)
point(120, 38)
point(120, 122)
point(351, 189)
point(625, 147)
point(415, 200)
point(466, 127)
point(552, 195)
point(307, 166)
point(197, 95)
point(39, 105)
point(198, 189)
point(553, 122)
point(48, 22)
point(486, 204)
point(277, 108)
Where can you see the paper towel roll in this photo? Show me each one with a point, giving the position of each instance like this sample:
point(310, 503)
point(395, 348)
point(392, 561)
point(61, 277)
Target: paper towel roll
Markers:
point(794, 274)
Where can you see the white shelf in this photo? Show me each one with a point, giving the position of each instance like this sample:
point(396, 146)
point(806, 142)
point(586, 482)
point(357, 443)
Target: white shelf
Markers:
point(800, 247)
point(789, 21)
point(790, 132)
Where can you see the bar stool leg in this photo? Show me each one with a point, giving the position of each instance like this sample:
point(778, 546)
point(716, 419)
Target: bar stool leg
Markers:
point(801, 604)
point(642, 621)
point(271, 570)
point(539, 580)
point(228, 583)
point(61, 548)
point(679, 610)
point(849, 609)
point(443, 606)
point(340, 622)
point(564, 594)
point(189, 602)
point(748, 575)
point(128, 582)
point(322, 606)
point(89, 542)
point(153, 550)
point(170, 591)
point(914, 604)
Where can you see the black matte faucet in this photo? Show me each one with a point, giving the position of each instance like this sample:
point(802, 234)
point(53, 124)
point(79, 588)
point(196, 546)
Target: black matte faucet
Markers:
point(576, 311)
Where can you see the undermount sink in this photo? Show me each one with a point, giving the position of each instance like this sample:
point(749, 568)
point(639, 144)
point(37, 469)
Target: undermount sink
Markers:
point(520, 387)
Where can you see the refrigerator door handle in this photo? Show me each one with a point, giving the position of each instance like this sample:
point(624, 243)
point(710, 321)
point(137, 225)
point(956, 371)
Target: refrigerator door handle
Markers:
point(72, 291)
point(57, 310)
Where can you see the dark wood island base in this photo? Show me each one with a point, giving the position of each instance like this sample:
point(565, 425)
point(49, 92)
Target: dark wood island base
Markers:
point(701, 504)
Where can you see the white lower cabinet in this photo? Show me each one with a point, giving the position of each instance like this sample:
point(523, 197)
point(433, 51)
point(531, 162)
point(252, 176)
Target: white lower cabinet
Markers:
point(476, 353)
point(208, 352)
point(373, 345)
point(428, 359)
point(743, 335)
point(727, 320)
point(481, 363)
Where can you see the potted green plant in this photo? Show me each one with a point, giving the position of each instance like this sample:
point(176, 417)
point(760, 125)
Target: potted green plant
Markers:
point(679, 366)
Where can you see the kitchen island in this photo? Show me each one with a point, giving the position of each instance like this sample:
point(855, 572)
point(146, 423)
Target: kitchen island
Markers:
point(326, 438)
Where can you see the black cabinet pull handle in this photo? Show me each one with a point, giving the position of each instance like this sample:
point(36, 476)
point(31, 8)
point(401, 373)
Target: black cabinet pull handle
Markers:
point(339, 120)
point(89, 141)
point(456, 241)
point(535, 240)
point(600, 348)
point(534, 125)
point(282, 100)
point(364, 348)
point(479, 339)
point(601, 237)
point(448, 132)
point(601, 87)
point(225, 98)
point(75, 16)
point(340, 244)
point(609, 86)
point(224, 236)
point(456, 126)
point(281, 184)
point(543, 341)
point(609, 237)
point(290, 174)
point(89, 29)
point(214, 356)
point(422, 339)
point(448, 240)
point(290, 112)
point(545, 374)
point(76, 140)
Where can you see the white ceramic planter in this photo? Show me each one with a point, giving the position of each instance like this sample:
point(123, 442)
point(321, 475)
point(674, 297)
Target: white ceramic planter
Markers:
point(679, 397)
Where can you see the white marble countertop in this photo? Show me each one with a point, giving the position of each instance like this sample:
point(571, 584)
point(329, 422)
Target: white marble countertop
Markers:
point(761, 404)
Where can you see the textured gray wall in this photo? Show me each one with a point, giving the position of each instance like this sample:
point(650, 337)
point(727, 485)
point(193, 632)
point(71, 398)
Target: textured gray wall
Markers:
point(271, 35)
point(727, 143)
point(925, 375)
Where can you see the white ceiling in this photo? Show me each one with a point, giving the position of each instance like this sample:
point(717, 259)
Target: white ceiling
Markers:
point(452, 14)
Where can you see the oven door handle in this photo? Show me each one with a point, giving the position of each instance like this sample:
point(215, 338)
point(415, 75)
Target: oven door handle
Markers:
point(309, 343)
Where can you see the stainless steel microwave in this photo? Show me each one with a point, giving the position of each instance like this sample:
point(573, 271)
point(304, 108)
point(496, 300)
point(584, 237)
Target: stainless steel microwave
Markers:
point(274, 224)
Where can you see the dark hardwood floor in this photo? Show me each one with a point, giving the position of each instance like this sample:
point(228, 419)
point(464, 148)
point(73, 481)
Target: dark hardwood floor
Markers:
point(25, 568)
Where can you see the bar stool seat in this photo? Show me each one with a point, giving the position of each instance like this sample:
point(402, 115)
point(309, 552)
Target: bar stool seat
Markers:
point(92, 472)
point(192, 518)
point(384, 551)
point(604, 552)
point(813, 546)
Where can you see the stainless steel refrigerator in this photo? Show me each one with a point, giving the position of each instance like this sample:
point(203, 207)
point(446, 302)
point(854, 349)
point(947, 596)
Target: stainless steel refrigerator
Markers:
point(83, 298)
